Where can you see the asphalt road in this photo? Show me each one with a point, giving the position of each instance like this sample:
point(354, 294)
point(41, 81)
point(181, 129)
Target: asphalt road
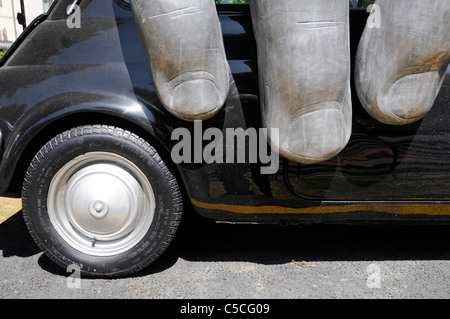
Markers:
point(224, 261)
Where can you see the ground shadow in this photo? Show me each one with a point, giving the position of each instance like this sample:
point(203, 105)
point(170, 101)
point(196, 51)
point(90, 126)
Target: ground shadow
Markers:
point(15, 239)
point(201, 240)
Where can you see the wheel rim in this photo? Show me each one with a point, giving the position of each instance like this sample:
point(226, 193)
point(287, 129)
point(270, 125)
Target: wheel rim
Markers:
point(101, 204)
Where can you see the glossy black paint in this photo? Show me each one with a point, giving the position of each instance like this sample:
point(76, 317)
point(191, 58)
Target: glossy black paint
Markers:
point(56, 78)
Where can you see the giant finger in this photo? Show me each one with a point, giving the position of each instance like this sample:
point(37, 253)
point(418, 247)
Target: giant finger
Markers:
point(185, 52)
point(304, 68)
point(402, 59)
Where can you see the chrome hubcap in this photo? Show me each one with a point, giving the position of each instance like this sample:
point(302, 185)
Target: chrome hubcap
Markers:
point(98, 209)
point(101, 204)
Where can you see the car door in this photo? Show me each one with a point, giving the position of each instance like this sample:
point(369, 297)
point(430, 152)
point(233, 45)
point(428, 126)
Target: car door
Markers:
point(383, 162)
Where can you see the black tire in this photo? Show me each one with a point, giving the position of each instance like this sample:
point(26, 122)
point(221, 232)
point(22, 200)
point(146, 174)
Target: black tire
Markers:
point(63, 177)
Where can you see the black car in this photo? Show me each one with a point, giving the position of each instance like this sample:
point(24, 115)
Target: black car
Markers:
point(86, 143)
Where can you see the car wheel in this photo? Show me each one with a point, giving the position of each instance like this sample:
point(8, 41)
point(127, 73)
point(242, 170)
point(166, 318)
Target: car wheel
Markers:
point(101, 198)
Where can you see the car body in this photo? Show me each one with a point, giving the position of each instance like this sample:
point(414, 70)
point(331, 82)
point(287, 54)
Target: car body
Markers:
point(55, 78)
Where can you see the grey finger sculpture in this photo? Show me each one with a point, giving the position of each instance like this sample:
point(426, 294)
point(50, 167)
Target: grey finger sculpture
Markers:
point(304, 65)
point(401, 64)
point(185, 52)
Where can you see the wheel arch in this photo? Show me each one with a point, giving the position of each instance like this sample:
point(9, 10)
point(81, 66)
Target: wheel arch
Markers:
point(69, 121)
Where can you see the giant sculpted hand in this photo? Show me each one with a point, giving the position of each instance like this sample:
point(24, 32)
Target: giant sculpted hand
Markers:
point(304, 65)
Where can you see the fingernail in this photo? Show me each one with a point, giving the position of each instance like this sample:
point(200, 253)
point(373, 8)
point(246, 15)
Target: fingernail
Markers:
point(412, 96)
point(196, 99)
point(318, 135)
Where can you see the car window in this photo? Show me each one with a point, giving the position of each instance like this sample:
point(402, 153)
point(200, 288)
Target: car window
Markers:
point(231, 1)
point(366, 3)
point(352, 3)
point(46, 4)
